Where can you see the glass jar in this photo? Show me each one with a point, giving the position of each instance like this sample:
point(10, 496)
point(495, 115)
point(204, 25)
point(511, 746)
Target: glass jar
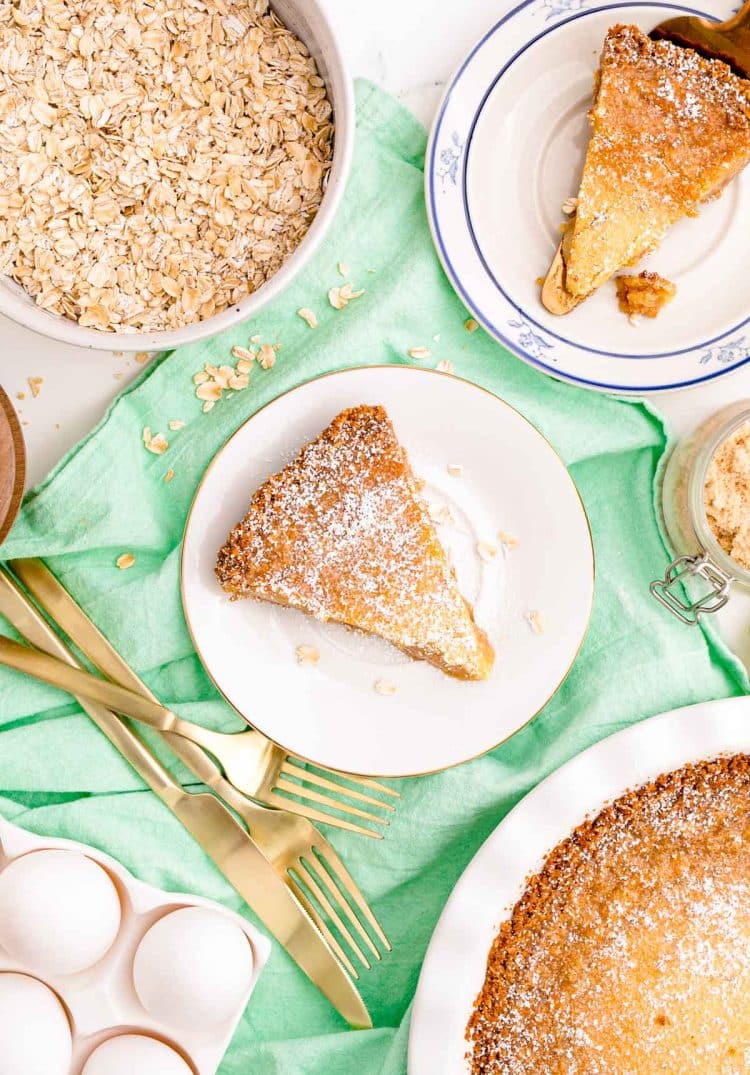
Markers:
point(702, 569)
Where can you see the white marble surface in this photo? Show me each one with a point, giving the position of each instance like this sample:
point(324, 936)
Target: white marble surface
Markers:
point(410, 47)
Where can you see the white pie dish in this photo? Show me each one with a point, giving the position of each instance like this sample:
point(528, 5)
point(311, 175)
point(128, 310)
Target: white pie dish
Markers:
point(308, 19)
point(454, 967)
point(331, 714)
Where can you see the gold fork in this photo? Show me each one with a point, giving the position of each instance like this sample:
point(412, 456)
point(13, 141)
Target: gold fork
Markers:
point(256, 766)
point(235, 851)
point(299, 853)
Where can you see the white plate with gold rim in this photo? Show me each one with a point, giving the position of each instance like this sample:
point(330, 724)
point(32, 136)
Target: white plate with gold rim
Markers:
point(512, 480)
point(454, 967)
point(506, 150)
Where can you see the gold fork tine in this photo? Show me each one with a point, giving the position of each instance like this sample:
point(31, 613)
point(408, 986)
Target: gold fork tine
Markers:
point(327, 880)
point(337, 867)
point(320, 922)
point(315, 796)
point(301, 871)
point(322, 782)
point(368, 782)
point(281, 802)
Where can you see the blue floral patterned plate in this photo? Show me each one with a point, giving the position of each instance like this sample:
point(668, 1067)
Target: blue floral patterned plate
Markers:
point(506, 151)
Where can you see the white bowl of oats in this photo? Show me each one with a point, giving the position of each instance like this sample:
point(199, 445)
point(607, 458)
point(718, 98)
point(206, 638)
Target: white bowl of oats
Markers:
point(165, 169)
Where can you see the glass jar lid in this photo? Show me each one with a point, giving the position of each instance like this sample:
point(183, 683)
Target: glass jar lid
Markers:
point(698, 581)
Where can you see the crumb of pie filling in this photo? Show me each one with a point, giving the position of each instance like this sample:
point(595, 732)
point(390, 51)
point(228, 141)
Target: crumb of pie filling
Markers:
point(645, 294)
point(727, 495)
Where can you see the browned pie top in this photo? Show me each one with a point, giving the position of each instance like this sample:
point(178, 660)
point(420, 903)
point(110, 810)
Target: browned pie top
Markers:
point(342, 533)
point(668, 130)
point(629, 953)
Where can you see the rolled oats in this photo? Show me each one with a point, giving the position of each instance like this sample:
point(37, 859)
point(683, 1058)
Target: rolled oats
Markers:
point(154, 442)
point(243, 354)
point(384, 687)
point(158, 160)
point(266, 356)
point(340, 297)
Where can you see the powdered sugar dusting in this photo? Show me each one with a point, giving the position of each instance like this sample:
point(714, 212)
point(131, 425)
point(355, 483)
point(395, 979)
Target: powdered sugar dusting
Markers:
point(343, 534)
point(630, 951)
point(669, 130)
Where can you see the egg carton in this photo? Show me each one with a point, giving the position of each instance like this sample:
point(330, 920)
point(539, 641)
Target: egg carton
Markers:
point(101, 1001)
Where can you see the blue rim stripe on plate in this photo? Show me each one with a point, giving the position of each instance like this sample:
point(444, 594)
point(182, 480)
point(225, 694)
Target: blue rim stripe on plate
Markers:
point(451, 271)
point(523, 312)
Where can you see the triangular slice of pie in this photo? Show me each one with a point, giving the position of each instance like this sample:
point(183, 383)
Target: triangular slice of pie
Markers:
point(343, 534)
point(669, 129)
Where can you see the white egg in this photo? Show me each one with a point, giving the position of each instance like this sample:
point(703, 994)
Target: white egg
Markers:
point(59, 911)
point(129, 1054)
point(35, 1036)
point(193, 968)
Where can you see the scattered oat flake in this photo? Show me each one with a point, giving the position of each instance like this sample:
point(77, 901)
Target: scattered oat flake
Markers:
point(118, 375)
point(442, 514)
point(536, 621)
point(266, 356)
point(244, 365)
point(486, 551)
point(35, 384)
point(243, 354)
point(471, 325)
point(343, 268)
point(507, 540)
point(20, 395)
point(419, 352)
point(125, 561)
point(220, 374)
point(307, 656)
point(142, 356)
point(154, 442)
point(336, 299)
point(176, 424)
point(455, 470)
point(200, 377)
point(169, 475)
point(255, 339)
point(445, 366)
point(209, 391)
point(208, 406)
point(383, 686)
point(340, 297)
point(569, 206)
point(309, 316)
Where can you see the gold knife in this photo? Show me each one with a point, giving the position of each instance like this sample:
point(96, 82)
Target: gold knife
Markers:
point(217, 831)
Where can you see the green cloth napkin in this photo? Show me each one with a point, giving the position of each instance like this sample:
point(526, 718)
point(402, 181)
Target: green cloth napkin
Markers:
point(60, 777)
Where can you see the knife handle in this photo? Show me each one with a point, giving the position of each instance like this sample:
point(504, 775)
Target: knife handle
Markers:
point(17, 609)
